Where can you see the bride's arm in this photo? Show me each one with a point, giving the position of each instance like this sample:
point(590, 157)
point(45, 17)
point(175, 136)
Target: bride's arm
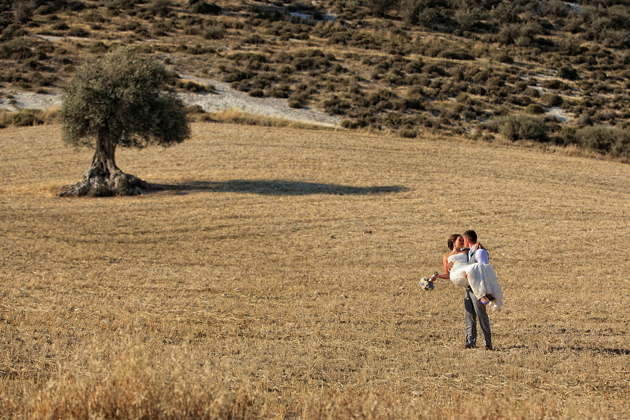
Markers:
point(446, 274)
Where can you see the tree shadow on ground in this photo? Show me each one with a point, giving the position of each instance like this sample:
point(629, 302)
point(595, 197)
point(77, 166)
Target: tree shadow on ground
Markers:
point(619, 352)
point(280, 187)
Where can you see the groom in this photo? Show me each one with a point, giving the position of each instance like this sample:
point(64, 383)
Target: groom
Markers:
point(474, 308)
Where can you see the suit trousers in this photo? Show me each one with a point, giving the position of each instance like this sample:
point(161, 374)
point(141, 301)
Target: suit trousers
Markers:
point(475, 309)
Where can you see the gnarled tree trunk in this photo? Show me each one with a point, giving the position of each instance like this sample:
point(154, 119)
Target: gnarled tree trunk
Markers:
point(103, 178)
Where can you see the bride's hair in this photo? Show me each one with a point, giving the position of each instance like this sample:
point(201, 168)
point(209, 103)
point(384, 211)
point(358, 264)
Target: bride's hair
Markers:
point(451, 240)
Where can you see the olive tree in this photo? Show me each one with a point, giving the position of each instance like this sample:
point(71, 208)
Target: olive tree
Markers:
point(119, 101)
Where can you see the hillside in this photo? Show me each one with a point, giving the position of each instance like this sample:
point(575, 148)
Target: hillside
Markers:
point(408, 66)
point(281, 280)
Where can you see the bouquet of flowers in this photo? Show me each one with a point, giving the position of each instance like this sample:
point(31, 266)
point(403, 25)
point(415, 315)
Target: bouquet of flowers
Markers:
point(426, 283)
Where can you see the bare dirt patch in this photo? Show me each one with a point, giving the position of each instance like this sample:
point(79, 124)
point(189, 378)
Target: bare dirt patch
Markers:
point(226, 98)
point(30, 100)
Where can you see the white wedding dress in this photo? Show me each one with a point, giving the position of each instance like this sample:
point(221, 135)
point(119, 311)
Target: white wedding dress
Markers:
point(480, 277)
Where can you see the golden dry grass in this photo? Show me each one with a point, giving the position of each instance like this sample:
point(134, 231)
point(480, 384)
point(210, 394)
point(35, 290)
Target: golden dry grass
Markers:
point(257, 289)
point(237, 116)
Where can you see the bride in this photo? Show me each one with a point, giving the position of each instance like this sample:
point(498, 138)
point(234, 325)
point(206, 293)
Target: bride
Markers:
point(480, 277)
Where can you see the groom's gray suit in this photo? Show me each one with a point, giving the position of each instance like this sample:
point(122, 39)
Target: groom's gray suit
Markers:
point(474, 310)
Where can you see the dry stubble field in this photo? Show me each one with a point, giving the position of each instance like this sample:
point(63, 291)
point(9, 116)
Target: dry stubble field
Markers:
point(281, 280)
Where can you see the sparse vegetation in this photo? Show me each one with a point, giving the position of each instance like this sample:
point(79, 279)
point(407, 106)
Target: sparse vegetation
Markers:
point(552, 56)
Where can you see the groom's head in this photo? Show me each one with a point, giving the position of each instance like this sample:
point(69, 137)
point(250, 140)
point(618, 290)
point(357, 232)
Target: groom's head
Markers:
point(470, 238)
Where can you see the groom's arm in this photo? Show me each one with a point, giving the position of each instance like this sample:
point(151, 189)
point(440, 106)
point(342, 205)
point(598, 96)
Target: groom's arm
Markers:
point(482, 256)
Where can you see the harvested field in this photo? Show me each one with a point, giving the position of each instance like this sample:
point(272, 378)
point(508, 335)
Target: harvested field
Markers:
point(281, 280)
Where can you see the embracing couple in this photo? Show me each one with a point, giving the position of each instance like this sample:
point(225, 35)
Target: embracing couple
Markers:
point(467, 266)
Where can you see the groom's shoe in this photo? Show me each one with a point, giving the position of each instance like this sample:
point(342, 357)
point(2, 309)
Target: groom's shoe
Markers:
point(488, 348)
point(469, 346)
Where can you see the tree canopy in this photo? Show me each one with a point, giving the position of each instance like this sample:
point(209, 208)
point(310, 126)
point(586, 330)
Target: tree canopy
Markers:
point(120, 100)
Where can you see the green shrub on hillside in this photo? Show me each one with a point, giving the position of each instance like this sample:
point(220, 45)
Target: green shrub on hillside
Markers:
point(534, 109)
point(278, 91)
point(551, 99)
point(16, 49)
point(553, 84)
point(521, 127)
point(23, 118)
point(532, 93)
point(298, 98)
point(409, 11)
point(204, 8)
point(568, 73)
point(23, 10)
point(408, 133)
point(428, 17)
point(214, 32)
point(60, 26)
point(503, 58)
point(194, 87)
point(160, 7)
point(237, 75)
point(120, 4)
point(335, 106)
point(78, 32)
point(379, 7)
point(256, 93)
point(467, 17)
point(606, 140)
